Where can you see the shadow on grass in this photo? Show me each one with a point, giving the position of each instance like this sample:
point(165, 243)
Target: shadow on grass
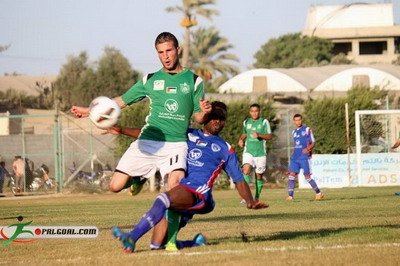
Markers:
point(291, 235)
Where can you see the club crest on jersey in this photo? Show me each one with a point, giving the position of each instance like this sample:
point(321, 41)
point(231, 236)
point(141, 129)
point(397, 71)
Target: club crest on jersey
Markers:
point(303, 133)
point(184, 88)
point(248, 126)
point(158, 85)
point(215, 147)
point(171, 90)
point(201, 143)
point(171, 105)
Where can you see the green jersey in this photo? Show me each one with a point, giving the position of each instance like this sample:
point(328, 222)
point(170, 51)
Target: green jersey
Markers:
point(256, 146)
point(173, 99)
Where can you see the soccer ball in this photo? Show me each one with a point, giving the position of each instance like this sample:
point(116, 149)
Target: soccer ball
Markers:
point(104, 112)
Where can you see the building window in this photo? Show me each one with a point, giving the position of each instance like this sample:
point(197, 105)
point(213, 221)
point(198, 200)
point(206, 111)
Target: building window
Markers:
point(360, 81)
point(260, 84)
point(373, 47)
point(342, 47)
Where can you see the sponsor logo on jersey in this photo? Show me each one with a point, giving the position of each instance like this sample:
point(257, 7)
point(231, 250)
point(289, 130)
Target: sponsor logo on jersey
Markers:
point(193, 156)
point(184, 88)
point(201, 143)
point(158, 85)
point(171, 90)
point(192, 138)
point(215, 147)
point(171, 105)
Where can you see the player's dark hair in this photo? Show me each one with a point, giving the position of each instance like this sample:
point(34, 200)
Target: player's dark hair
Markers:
point(297, 115)
point(255, 105)
point(166, 37)
point(219, 110)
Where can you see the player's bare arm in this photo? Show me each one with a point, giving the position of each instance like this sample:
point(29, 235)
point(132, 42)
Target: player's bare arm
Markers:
point(242, 139)
point(245, 193)
point(117, 130)
point(80, 112)
point(309, 148)
point(262, 136)
point(205, 107)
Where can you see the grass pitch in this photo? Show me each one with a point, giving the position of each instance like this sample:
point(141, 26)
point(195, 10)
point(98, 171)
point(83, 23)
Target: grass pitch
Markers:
point(351, 226)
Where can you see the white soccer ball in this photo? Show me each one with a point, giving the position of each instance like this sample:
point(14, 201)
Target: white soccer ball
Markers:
point(104, 112)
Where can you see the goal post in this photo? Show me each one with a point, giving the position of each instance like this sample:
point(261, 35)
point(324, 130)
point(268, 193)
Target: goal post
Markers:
point(376, 131)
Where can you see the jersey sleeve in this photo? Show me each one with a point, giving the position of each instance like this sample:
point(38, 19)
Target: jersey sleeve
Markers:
point(267, 127)
point(198, 94)
point(244, 127)
point(232, 167)
point(310, 134)
point(136, 93)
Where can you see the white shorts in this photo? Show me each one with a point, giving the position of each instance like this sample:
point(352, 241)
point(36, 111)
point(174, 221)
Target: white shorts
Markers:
point(258, 163)
point(145, 157)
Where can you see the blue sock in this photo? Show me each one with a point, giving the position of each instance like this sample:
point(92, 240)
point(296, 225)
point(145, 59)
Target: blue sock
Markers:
point(291, 185)
point(185, 244)
point(313, 185)
point(152, 217)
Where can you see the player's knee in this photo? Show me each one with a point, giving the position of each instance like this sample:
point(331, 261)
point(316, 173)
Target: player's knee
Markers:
point(114, 187)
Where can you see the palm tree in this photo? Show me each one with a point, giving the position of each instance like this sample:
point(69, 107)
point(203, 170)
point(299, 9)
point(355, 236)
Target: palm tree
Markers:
point(209, 55)
point(188, 9)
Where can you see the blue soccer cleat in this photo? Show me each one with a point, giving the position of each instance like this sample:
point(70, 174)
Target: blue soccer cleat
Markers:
point(200, 240)
point(127, 242)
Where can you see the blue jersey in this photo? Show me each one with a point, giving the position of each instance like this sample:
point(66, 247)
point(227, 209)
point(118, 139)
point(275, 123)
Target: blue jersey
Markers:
point(302, 138)
point(207, 156)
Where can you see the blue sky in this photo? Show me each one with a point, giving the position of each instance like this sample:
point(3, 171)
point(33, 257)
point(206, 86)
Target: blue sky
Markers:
point(42, 33)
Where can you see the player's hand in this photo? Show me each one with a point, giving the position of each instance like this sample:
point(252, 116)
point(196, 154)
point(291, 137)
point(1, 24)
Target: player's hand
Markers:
point(205, 106)
point(255, 134)
point(114, 130)
point(257, 205)
point(241, 143)
point(79, 111)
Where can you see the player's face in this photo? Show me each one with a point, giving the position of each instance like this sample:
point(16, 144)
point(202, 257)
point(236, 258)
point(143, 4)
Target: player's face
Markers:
point(214, 126)
point(169, 56)
point(254, 113)
point(298, 121)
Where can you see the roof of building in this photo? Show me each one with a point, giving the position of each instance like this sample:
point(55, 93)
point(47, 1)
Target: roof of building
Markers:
point(311, 78)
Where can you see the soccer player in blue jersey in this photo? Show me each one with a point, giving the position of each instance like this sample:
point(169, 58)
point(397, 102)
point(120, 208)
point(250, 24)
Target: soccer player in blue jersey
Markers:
point(208, 155)
point(304, 143)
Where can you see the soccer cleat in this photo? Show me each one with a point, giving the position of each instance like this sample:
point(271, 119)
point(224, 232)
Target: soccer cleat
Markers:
point(171, 247)
point(290, 198)
point(127, 243)
point(200, 240)
point(243, 202)
point(137, 185)
point(319, 196)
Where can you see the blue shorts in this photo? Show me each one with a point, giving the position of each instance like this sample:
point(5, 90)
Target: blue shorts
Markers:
point(204, 204)
point(296, 165)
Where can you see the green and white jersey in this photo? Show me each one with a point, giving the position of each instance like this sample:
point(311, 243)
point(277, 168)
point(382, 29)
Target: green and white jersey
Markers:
point(173, 99)
point(255, 146)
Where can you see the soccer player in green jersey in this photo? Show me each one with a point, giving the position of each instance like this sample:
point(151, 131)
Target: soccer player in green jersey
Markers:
point(175, 93)
point(256, 130)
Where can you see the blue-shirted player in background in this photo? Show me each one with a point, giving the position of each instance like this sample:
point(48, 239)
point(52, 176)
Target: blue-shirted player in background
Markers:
point(304, 143)
point(208, 155)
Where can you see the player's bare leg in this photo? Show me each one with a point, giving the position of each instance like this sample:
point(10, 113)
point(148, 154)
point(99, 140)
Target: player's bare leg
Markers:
point(247, 168)
point(119, 181)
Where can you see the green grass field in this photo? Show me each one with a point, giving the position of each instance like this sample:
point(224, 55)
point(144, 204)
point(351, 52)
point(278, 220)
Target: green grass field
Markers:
point(351, 226)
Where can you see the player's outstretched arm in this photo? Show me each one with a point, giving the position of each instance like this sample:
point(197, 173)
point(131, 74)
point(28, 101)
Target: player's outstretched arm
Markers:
point(80, 112)
point(116, 130)
point(245, 193)
point(205, 107)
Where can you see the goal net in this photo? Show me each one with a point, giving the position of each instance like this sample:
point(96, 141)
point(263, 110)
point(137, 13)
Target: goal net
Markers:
point(376, 132)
